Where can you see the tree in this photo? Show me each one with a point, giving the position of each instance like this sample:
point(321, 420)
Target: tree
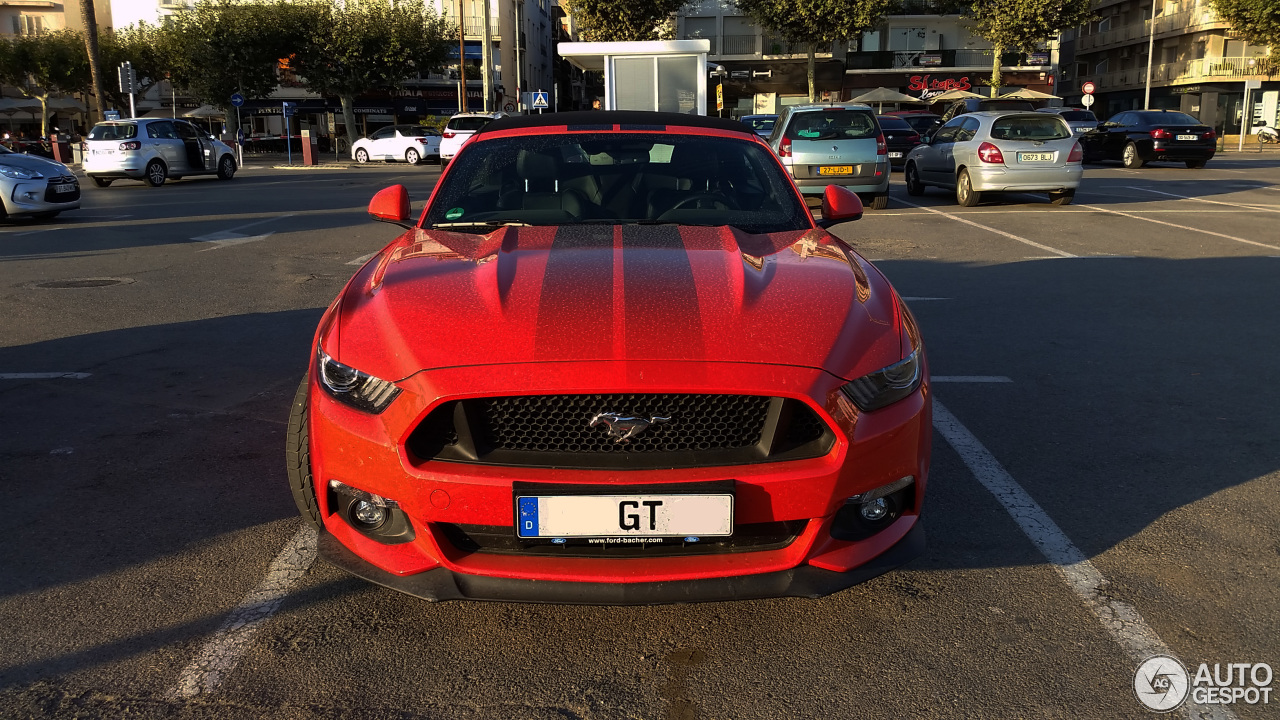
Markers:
point(41, 65)
point(621, 20)
point(89, 15)
point(151, 50)
point(353, 48)
point(816, 22)
point(1022, 25)
point(1258, 22)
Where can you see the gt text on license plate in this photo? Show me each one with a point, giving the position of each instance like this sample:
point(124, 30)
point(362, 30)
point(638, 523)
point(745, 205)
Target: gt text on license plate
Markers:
point(64, 188)
point(894, 156)
point(836, 170)
point(1188, 137)
point(600, 516)
point(1036, 157)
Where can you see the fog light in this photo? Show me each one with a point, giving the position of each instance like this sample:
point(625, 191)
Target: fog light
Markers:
point(874, 510)
point(368, 514)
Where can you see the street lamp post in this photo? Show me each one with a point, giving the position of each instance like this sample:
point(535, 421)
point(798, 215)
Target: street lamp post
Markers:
point(1151, 44)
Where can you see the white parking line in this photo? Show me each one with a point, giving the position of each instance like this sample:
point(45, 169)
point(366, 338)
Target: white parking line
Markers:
point(1120, 619)
point(363, 258)
point(1264, 208)
point(223, 238)
point(1011, 236)
point(222, 653)
point(44, 376)
point(969, 379)
point(1182, 227)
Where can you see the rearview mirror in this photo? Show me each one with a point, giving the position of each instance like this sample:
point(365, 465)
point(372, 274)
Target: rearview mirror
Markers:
point(391, 205)
point(839, 204)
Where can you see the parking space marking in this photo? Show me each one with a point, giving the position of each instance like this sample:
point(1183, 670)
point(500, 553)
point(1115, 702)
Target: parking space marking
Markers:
point(1183, 227)
point(223, 651)
point(1011, 236)
point(223, 238)
point(1120, 619)
point(970, 379)
point(44, 376)
point(1264, 208)
point(363, 258)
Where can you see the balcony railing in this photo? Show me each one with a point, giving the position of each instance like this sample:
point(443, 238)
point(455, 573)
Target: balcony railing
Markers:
point(473, 25)
point(709, 38)
point(925, 59)
point(1177, 73)
point(1175, 23)
point(739, 44)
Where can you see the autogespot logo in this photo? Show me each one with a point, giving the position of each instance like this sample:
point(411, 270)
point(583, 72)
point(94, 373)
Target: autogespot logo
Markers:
point(1161, 683)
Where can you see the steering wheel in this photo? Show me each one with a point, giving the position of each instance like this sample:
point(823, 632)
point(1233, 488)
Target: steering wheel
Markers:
point(724, 200)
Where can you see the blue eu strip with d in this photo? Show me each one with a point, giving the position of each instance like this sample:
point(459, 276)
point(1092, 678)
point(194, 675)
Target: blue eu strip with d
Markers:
point(528, 517)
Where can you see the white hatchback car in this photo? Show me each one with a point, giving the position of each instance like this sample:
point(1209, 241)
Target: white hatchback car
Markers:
point(410, 143)
point(460, 129)
point(154, 150)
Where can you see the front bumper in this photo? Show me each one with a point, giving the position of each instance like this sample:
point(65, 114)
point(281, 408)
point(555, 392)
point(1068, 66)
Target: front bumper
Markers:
point(443, 584)
point(368, 452)
point(28, 197)
point(1000, 178)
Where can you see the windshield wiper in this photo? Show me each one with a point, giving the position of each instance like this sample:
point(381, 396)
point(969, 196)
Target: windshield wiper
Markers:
point(479, 223)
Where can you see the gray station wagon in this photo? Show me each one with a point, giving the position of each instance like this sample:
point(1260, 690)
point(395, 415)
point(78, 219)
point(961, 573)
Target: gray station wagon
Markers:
point(841, 144)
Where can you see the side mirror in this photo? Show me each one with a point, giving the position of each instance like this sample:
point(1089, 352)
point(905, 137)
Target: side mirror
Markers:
point(839, 204)
point(391, 205)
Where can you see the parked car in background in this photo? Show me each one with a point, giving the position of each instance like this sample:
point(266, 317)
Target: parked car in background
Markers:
point(762, 124)
point(35, 187)
point(1079, 120)
point(154, 150)
point(922, 121)
point(459, 129)
point(980, 104)
point(410, 143)
point(1138, 137)
point(998, 151)
point(900, 138)
point(841, 144)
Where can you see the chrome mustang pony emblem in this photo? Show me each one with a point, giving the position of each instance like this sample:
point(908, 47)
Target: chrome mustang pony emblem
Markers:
point(624, 427)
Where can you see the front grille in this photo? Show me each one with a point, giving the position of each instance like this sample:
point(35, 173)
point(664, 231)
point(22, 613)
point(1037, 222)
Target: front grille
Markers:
point(502, 540)
point(51, 196)
point(687, 430)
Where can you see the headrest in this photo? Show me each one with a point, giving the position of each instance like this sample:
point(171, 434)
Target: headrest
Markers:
point(536, 166)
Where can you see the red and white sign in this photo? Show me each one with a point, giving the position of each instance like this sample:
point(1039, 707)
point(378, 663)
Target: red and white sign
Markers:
point(1088, 88)
point(928, 86)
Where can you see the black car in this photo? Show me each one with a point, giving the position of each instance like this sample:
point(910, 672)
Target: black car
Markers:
point(1137, 137)
point(981, 104)
point(899, 136)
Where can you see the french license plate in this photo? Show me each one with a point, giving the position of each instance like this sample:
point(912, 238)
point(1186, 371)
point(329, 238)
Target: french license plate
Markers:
point(64, 188)
point(104, 152)
point(1035, 157)
point(894, 156)
point(622, 516)
point(1188, 137)
point(836, 170)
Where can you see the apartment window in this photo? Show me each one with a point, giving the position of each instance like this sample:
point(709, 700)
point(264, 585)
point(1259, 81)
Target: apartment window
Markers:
point(28, 24)
point(907, 38)
point(1100, 68)
point(871, 41)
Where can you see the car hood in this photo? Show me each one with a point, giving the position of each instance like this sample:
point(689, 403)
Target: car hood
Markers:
point(41, 165)
point(439, 299)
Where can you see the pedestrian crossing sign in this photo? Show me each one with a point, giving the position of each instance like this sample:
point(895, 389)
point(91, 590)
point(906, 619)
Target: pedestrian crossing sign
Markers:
point(540, 101)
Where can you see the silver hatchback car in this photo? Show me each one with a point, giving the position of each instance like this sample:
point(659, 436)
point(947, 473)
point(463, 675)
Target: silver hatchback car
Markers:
point(998, 151)
point(841, 144)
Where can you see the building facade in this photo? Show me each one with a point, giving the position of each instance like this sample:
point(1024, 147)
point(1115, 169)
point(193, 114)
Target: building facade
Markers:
point(1199, 64)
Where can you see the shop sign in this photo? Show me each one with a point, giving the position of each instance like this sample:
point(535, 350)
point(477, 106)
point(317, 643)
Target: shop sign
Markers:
point(928, 86)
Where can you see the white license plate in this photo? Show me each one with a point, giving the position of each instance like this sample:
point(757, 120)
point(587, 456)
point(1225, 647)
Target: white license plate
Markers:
point(1188, 137)
point(615, 516)
point(1035, 157)
point(895, 156)
point(104, 152)
point(64, 188)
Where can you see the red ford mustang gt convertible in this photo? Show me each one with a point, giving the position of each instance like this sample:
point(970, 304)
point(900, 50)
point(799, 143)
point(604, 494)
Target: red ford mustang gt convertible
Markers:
point(615, 361)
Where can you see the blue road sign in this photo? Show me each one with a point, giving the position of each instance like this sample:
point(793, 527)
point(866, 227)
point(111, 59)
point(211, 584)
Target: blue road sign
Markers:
point(111, 115)
point(289, 108)
point(237, 99)
point(540, 101)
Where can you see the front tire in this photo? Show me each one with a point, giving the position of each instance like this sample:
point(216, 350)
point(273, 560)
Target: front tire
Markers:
point(915, 188)
point(362, 156)
point(226, 168)
point(156, 173)
point(101, 181)
point(1132, 158)
point(412, 157)
point(297, 453)
point(1063, 197)
point(965, 194)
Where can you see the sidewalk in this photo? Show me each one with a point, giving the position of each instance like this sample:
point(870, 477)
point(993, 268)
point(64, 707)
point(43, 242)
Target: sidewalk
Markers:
point(280, 161)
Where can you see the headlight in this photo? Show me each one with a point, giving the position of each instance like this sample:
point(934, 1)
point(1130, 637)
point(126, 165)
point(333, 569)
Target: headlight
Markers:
point(19, 173)
point(887, 386)
point(346, 384)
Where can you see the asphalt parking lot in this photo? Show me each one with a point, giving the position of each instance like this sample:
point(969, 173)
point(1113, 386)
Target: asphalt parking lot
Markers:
point(1105, 483)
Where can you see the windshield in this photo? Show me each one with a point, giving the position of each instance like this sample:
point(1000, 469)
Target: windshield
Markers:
point(114, 131)
point(889, 122)
point(1169, 118)
point(922, 123)
point(468, 124)
point(1030, 128)
point(566, 179)
point(417, 131)
point(1078, 116)
point(832, 125)
point(760, 124)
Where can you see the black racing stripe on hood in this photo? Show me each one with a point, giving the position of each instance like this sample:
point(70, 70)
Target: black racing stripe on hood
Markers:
point(575, 309)
point(662, 315)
